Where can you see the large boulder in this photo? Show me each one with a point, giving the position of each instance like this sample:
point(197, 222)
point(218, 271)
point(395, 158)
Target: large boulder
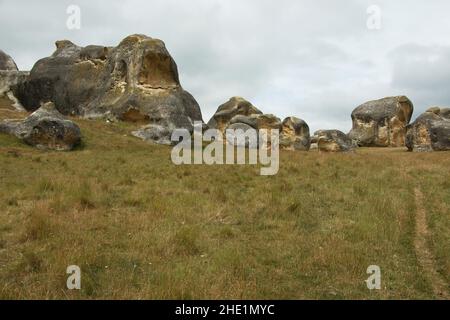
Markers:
point(136, 81)
point(10, 76)
point(8, 82)
point(7, 63)
point(10, 79)
point(241, 140)
point(236, 106)
point(332, 141)
point(382, 123)
point(430, 131)
point(295, 134)
point(238, 113)
point(256, 122)
point(45, 129)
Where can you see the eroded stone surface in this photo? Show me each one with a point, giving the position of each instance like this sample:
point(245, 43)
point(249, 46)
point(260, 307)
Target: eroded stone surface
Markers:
point(7, 63)
point(135, 81)
point(240, 113)
point(382, 123)
point(10, 76)
point(242, 140)
point(332, 141)
point(236, 106)
point(430, 131)
point(295, 134)
point(46, 129)
point(8, 82)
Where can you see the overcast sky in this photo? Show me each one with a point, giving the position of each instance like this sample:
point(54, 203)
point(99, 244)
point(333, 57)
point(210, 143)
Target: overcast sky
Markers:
point(314, 59)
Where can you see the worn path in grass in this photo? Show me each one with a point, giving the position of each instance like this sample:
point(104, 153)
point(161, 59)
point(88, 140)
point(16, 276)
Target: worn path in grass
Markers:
point(424, 255)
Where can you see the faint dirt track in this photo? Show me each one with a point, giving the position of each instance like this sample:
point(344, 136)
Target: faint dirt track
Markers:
point(424, 255)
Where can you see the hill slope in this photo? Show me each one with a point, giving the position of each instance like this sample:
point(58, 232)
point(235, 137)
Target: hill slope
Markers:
point(141, 227)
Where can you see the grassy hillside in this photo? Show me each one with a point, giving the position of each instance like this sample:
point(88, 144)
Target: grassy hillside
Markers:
point(141, 227)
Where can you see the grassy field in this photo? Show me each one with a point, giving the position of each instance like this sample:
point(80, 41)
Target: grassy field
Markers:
point(141, 227)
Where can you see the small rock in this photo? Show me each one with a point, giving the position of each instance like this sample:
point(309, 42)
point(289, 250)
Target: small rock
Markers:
point(45, 129)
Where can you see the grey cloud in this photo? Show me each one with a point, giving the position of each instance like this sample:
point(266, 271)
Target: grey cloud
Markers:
point(314, 59)
point(422, 72)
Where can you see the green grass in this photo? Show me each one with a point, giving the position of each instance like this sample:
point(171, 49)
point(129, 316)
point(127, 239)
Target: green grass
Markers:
point(141, 227)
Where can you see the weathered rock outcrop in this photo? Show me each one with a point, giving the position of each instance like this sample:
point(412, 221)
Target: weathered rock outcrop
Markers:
point(46, 129)
point(295, 134)
point(382, 123)
point(238, 113)
point(10, 77)
point(135, 81)
point(7, 63)
point(257, 121)
point(332, 141)
point(236, 106)
point(8, 82)
point(242, 141)
point(430, 131)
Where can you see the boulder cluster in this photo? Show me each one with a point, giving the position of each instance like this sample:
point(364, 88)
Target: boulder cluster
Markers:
point(238, 113)
point(137, 81)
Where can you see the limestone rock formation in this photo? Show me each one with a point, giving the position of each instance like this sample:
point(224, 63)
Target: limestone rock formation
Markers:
point(268, 121)
point(430, 131)
point(10, 76)
point(258, 121)
point(238, 113)
point(8, 82)
point(135, 81)
point(295, 134)
point(236, 106)
point(154, 132)
point(241, 141)
point(7, 63)
point(45, 129)
point(255, 121)
point(10, 79)
point(332, 141)
point(382, 123)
